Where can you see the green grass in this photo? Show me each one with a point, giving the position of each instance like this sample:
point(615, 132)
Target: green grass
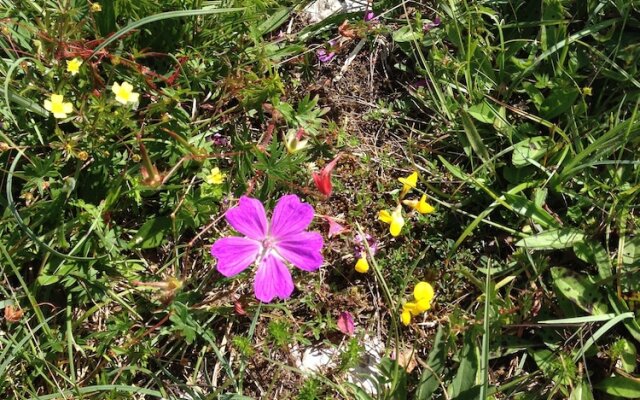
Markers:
point(520, 116)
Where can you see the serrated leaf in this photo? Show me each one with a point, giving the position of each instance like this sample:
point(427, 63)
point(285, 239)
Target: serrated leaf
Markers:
point(552, 239)
point(620, 386)
point(530, 149)
point(152, 233)
point(529, 209)
point(580, 290)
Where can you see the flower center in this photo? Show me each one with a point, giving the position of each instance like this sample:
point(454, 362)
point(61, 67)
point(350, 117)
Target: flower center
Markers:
point(268, 243)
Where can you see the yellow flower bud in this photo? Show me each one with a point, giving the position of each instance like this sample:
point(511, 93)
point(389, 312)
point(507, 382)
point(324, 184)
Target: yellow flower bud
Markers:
point(405, 317)
point(420, 205)
point(362, 265)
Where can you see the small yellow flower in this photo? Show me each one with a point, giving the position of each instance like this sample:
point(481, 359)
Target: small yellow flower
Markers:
point(408, 183)
point(57, 106)
point(215, 177)
point(124, 93)
point(96, 7)
point(587, 91)
point(420, 205)
point(73, 66)
point(362, 265)
point(394, 219)
point(405, 317)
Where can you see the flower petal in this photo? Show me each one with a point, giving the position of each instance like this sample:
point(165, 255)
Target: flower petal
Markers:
point(302, 250)
point(290, 216)
point(234, 254)
point(248, 218)
point(273, 279)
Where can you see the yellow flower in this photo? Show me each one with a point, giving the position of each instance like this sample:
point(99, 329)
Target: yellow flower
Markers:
point(57, 106)
point(423, 293)
point(96, 7)
point(423, 290)
point(215, 177)
point(124, 93)
point(587, 91)
point(293, 142)
point(73, 66)
point(408, 183)
point(420, 205)
point(405, 317)
point(394, 219)
point(362, 265)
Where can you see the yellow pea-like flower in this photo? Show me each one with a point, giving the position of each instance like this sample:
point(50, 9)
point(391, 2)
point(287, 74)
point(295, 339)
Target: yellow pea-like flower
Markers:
point(394, 219)
point(420, 205)
point(362, 265)
point(58, 106)
point(408, 183)
point(124, 93)
point(423, 290)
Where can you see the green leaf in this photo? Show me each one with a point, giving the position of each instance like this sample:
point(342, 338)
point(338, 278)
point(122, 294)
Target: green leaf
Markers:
point(152, 233)
point(474, 137)
point(465, 378)
point(530, 149)
point(437, 357)
point(628, 355)
point(558, 103)
point(580, 289)
point(275, 20)
point(552, 239)
point(482, 112)
point(46, 280)
point(581, 391)
point(406, 34)
point(529, 209)
point(620, 386)
point(594, 253)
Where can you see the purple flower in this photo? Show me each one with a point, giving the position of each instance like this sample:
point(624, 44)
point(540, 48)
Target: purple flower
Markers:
point(324, 56)
point(269, 245)
point(369, 15)
point(360, 249)
point(430, 25)
point(219, 140)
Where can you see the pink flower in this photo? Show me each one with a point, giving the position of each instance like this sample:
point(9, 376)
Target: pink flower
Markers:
point(269, 244)
point(345, 323)
point(323, 179)
point(334, 228)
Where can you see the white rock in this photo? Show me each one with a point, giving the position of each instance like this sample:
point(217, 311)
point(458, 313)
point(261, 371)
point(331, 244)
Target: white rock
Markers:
point(321, 9)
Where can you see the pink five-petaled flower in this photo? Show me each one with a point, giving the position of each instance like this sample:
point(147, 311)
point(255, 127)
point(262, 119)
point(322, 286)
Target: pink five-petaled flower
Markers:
point(269, 245)
point(323, 178)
